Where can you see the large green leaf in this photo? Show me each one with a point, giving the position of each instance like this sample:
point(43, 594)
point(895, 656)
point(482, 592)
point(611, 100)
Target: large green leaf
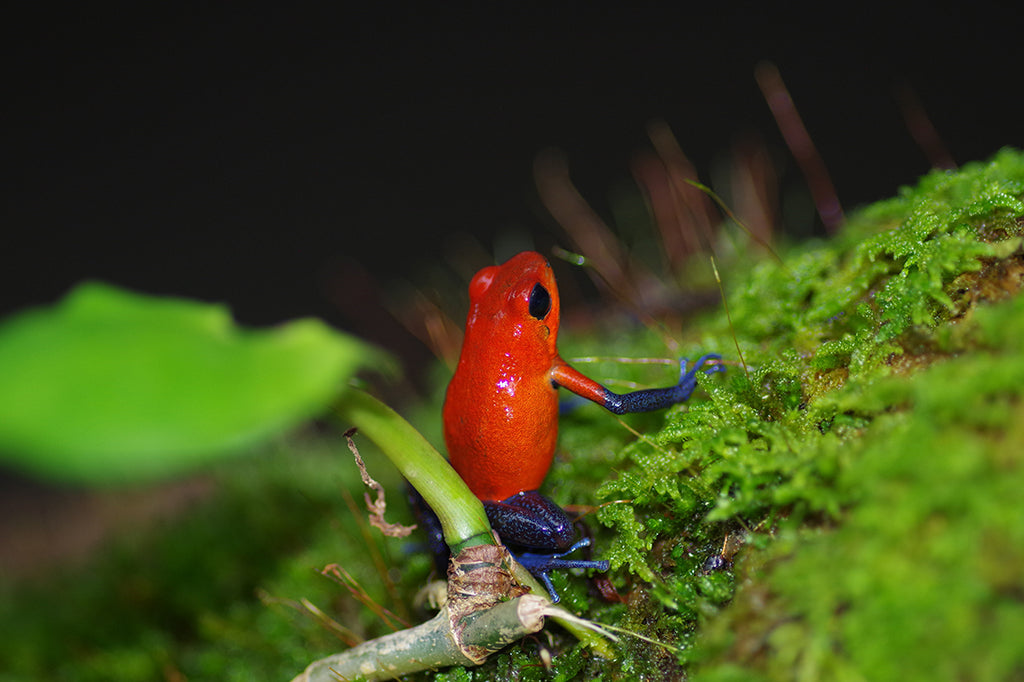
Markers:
point(109, 385)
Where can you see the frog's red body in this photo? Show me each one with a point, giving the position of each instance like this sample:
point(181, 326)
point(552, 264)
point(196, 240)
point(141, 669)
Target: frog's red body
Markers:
point(501, 410)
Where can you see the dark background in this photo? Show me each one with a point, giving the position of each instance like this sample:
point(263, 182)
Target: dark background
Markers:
point(245, 156)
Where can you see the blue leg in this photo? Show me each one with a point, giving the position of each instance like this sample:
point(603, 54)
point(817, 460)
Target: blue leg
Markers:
point(658, 398)
point(528, 522)
point(541, 565)
point(431, 525)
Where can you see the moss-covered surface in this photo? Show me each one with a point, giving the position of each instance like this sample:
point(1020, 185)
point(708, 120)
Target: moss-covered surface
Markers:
point(846, 507)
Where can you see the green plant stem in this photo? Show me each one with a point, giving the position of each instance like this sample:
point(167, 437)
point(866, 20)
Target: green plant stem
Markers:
point(432, 644)
point(461, 514)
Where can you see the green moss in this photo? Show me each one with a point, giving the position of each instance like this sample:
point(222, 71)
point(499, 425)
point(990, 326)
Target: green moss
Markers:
point(870, 456)
point(923, 576)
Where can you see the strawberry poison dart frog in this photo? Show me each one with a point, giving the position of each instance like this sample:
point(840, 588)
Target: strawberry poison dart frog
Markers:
point(501, 409)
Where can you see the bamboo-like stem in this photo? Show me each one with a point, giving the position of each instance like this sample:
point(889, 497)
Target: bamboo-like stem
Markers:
point(432, 644)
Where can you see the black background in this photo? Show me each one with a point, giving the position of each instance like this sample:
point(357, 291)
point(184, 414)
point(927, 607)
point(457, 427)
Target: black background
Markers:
point(241, 155)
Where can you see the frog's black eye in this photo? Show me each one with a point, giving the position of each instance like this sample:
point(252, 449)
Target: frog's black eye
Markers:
point(540, 302)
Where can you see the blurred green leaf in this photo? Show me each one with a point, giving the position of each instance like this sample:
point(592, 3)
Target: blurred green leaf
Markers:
point(109, 385)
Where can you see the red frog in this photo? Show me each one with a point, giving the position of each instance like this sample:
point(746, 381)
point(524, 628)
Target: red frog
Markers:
point(501, 409)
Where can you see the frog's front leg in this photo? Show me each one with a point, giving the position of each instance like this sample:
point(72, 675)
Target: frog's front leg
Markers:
point(539, 534)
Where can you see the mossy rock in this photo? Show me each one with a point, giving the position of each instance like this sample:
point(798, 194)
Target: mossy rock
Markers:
point(870, 458)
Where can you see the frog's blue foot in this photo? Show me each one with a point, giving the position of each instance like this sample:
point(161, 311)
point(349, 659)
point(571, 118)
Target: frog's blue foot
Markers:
point(704, 364)
point(541, 565)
